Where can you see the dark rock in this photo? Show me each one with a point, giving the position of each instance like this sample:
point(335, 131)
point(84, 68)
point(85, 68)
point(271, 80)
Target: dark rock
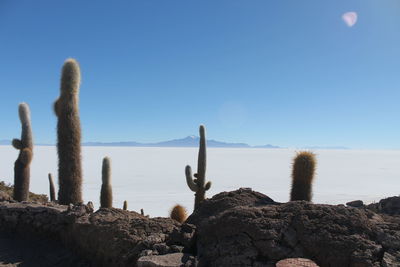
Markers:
point(253, 230)
point(107, 237)
point(22, 251)
point(355, 203)
point(239, 228)
point(390, 206)
point(227, 200)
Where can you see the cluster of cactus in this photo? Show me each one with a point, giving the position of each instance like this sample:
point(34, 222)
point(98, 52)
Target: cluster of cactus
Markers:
point(69, 154)
point(25, 147)
point(198, 184)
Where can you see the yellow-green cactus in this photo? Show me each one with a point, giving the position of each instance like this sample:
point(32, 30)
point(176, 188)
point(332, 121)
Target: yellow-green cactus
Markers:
point(178, 213)
point(302, 176)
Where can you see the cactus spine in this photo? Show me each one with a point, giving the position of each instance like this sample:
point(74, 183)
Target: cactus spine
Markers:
point(302, 176)
point(22, 164)
point(178, 213)
point(198, 184)
point(125, 207)
point(69, 135)
point(52, 188)
point(106, 189)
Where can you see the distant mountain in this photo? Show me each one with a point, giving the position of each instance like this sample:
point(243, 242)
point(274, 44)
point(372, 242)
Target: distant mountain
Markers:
point(326, 147)
point(5, 142)
point(189, 141)
point(112, 144)
point(267, 146)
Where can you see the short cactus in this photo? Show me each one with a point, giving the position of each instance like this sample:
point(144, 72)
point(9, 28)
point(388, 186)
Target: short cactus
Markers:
point(178, 213)
point(69, 135)
point(22, 164)
point(198, 184)
point(106, 189)
point(125, 207)
point(52, 188)
point(302, 176)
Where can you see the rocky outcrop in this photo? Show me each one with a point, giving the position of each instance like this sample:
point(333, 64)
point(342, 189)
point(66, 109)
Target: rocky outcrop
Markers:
point(239, 228)
point(107, 237)
point(6, 193)
point(246, 228)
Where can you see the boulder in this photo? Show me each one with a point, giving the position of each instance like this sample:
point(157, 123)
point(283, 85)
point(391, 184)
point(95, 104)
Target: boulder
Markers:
point(390, 205)
point(246, 228)
point(355, 204)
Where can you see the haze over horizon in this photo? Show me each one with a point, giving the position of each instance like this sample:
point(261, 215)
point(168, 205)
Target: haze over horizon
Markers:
point(285, 73)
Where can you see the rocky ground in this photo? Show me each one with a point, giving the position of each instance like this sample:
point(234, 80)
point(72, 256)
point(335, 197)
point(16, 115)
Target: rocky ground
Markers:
point(6, 191)
point(239, 228)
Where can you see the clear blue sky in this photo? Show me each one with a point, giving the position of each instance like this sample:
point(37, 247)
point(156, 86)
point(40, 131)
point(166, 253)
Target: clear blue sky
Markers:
point(289, 73)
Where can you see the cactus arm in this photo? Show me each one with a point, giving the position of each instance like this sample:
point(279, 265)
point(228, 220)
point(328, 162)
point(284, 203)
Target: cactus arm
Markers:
point(55, 107)
point(17, 144)
point(189, 179)
point(207, 186)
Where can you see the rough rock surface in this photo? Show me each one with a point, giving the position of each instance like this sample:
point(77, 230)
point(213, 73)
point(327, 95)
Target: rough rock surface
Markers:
point(296, 262)
point(4, 196)
point(390, 205)
point(168, 260)
point(239, 228)
point(29, 252)
point(246, 228)
point(107, 237)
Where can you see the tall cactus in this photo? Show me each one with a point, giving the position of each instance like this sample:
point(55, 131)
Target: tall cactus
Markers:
point(125, 207)
point(22, 164)
point(69, 135)
point(106, 189)
point(198, 185)
point(302, 176)
point(52, 188)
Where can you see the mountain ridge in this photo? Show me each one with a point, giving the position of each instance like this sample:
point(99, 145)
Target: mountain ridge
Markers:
point(188, 141)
